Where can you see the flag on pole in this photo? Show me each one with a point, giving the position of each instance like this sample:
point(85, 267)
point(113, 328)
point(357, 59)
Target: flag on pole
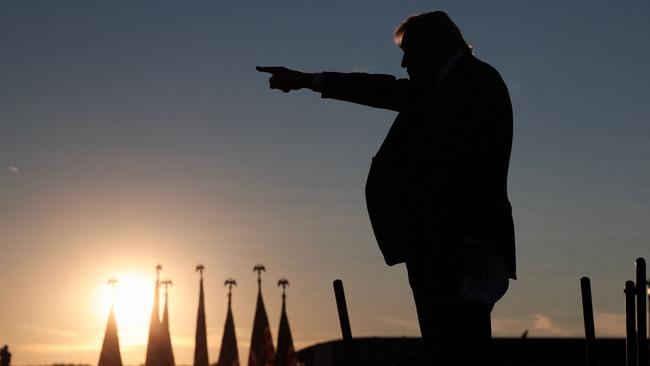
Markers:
point(153, 344)
point(261, 351)
point(166, 351)
point(228, 354)
point(110, 355)
point(285, 354)
point(201, 342)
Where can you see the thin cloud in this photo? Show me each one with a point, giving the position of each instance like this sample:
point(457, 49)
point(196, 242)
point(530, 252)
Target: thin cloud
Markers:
point(610, 324)
point(509, 327)
point(182, 341)
point(545, 325)
point(538, 325)
point(60, 348)
point(50, 331)
point(14, 169)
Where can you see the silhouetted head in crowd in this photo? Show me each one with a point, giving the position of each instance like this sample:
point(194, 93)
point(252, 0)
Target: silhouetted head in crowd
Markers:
point(428, 41)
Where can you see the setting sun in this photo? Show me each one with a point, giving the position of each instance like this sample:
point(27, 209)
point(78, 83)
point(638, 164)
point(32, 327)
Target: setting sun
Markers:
point(133, 296)
point(234, 147)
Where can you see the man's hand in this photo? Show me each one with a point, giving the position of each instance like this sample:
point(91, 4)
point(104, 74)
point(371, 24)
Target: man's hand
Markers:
point(286, 79)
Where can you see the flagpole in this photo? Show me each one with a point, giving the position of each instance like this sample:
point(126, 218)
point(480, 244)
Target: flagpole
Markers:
point(261, 345)
point(284, 283)
point(200, 336)
point(228, 354)
point(259, 268)
point(230, 283)
point(112, 282)
point(166, 283)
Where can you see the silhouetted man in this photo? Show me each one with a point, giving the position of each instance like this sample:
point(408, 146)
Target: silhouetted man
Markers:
point(436, 191)
point(5, 356)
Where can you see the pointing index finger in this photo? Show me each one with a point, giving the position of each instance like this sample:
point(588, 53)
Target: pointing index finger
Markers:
point(269, 69)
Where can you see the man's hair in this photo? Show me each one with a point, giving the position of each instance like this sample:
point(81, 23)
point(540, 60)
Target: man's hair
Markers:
point(432, 28)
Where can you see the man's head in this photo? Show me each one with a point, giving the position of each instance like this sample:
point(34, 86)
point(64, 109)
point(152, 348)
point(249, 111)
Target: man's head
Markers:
point(428, 40)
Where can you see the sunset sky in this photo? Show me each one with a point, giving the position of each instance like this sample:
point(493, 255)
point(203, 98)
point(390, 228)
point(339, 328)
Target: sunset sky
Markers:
point(134, 133)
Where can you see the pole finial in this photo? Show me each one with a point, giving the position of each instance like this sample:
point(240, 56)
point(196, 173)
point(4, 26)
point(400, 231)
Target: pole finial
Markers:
point(166, 282)
point(200, 268)
point(284, 283)
point(230, 283)
point(259, 268)
point(112, 282)
point(158, 270)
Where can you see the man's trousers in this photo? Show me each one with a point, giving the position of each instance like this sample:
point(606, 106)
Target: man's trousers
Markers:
point(454, 331)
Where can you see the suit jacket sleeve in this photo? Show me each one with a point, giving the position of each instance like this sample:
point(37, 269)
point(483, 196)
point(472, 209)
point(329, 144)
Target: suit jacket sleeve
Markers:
point(373, 90)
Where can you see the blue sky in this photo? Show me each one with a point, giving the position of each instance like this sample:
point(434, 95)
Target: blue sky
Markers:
point(138, 133)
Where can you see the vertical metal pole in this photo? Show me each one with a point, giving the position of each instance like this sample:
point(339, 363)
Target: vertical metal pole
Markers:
point(647, 283)
point(641, 293)
point(588, 315)
point(343, 310)
point(630, 324)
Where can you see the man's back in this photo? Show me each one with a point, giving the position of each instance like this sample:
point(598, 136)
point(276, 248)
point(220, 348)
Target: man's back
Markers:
point(441, 173)
point(476, 107)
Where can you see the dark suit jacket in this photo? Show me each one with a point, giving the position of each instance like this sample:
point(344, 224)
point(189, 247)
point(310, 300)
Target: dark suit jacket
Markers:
point(440, 175)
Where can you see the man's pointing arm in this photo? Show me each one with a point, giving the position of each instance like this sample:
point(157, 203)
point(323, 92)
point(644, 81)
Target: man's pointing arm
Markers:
point(374, 90)
point(287, 79)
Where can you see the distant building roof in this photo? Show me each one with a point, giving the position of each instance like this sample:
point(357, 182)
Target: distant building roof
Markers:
point(383, 351)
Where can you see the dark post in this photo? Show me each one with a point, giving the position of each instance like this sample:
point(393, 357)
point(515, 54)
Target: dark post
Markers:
point(343, 310)
point(345, 356)
point(588, 315)
point(630, 324)
point(641, 293)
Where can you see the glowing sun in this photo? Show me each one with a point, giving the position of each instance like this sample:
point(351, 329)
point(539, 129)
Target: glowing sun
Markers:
point(133, 296)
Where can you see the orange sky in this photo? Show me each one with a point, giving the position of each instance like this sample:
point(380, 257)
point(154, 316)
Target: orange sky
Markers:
point(138, 133)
